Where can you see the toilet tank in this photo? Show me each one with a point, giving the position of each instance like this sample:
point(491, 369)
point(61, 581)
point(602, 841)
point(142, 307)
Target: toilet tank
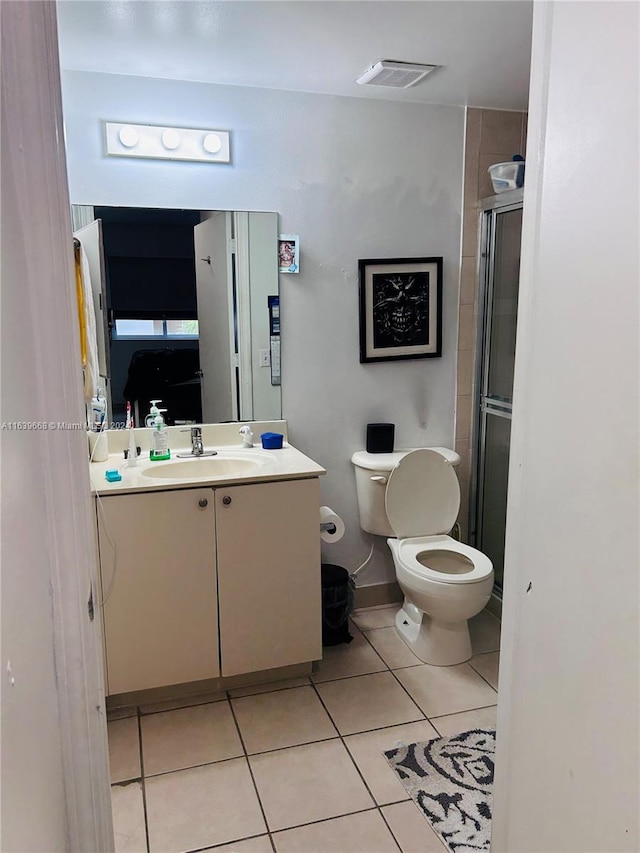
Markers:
point(372, 472)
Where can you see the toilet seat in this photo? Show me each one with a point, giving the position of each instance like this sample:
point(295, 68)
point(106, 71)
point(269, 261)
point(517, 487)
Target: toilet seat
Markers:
point(422, 497)
point(413, 555)
point(422, 501)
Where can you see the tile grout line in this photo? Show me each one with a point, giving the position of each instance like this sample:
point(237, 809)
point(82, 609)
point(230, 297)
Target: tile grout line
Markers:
point(353, 761)
point(486, 682)
point(143, 780)
point(484, 678)
point(372, 808)
point(374, 673)
point(386, 822)
point(225, 844)
point(253, 780)
point(261, 692)
point(434, 720)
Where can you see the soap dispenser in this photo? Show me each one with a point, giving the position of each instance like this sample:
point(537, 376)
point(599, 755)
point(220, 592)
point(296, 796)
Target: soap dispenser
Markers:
point(159, 438)
point(150, 420)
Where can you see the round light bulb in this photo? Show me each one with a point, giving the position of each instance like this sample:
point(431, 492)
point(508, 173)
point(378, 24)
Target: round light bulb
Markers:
point(170, 139)
point(212, 143)
point(128, 136)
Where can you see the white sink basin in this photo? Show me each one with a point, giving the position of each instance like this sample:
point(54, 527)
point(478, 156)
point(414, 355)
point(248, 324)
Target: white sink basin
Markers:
point(206, 467)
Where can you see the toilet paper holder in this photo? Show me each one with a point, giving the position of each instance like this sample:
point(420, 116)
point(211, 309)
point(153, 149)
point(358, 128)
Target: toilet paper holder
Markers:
point(331, 525)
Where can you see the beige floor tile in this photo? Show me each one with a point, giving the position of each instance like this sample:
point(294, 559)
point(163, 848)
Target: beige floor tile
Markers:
point(375, 617)
point(367, 752)
point(183, 702)
point(454, 724)
point(308, 783)
point(128, 818)
point(187, 737)
point(202, 806)
point(267, 688)
point(124, 749)
point(368, 702)
point(485, 633)
point(391, 648)
point(356, 658)
point(487, 666)
point(261, 844)
point(284, 718)
point(412, 831)
point(365, 832)
point(440, 690)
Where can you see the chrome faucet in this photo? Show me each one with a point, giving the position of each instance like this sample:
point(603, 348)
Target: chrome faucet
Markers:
point(197, 448)
point(196, 441)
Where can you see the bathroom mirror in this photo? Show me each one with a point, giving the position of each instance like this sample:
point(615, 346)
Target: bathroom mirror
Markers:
point(187, 311)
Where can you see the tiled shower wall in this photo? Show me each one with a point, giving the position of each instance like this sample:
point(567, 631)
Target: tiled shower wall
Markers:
point(492, 136)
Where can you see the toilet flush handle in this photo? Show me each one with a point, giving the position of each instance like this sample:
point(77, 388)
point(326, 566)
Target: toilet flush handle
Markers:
point(379, 479)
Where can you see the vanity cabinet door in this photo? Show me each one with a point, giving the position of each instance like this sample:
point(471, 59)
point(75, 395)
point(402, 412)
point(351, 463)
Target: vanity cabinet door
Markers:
point(158, 572)
point(269, 575)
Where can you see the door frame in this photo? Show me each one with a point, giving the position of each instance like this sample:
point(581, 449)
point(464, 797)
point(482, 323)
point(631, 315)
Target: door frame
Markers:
point(41, 264)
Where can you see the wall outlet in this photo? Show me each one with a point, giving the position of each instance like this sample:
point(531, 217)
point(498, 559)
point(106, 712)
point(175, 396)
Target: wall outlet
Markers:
point(265, 361)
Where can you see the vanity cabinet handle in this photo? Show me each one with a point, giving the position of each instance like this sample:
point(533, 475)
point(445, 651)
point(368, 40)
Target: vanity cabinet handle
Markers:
point(203, 502)
point(226, 500)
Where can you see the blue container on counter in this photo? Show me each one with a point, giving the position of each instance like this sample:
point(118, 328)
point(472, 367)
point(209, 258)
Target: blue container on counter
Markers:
point(272, 440)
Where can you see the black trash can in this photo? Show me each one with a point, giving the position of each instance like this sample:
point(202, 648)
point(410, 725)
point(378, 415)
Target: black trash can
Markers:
point(337, 604)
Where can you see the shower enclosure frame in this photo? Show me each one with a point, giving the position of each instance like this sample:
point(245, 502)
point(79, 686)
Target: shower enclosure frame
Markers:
point(486, 405)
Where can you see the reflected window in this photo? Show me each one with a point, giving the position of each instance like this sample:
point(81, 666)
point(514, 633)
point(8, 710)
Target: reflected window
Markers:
point(130, 328)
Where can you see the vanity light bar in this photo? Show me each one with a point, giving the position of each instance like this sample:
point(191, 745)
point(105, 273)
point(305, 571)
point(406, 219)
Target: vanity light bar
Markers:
point(167, 143)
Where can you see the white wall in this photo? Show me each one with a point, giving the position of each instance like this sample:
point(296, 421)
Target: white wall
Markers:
point(355, 179)
point(55, 783)
point(568, 755)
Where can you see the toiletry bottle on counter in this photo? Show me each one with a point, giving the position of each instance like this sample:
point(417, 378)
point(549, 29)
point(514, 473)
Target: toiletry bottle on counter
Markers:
point(153, 411)
point(98, 411)
point(98, 446)
point(159, 439)
point(132, 452)
point(98, 443)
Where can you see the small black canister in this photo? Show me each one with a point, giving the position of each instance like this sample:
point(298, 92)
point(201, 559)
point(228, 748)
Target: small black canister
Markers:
point(380, 438)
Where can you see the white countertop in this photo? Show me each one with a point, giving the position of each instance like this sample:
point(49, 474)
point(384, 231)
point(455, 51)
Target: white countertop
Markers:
point(284, 464)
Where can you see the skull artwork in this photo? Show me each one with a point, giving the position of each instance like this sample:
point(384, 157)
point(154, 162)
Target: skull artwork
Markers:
point(401, 309)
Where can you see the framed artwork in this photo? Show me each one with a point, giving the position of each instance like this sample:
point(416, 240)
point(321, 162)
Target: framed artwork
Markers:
point(288, 253)
point(400, 308)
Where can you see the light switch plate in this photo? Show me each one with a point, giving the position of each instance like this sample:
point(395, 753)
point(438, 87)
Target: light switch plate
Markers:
point(264, 358)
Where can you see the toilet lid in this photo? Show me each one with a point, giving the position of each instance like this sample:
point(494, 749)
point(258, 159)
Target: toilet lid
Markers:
point(422, 497)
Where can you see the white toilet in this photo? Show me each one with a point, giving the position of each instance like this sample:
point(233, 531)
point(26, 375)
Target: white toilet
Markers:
point(414, 496)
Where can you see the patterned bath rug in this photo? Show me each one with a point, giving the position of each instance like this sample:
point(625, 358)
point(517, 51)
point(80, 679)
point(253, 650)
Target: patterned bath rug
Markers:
point(451, 781)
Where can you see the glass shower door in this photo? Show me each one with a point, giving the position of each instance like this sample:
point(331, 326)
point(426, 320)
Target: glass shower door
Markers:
point(502, 226)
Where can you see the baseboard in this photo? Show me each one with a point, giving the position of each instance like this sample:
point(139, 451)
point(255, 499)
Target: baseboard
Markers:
point(209, 685)
point(376, 595)
point(495, 605)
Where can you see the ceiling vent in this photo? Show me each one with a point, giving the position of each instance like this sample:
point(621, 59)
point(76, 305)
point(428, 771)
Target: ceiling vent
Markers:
point(394, 75)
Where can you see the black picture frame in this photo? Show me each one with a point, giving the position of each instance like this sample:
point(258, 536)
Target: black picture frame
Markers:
point(400, 308)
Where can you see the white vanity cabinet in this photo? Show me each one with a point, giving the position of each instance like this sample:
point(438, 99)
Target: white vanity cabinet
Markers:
point(209, 582)
point(269, 591)
point(158, 577)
